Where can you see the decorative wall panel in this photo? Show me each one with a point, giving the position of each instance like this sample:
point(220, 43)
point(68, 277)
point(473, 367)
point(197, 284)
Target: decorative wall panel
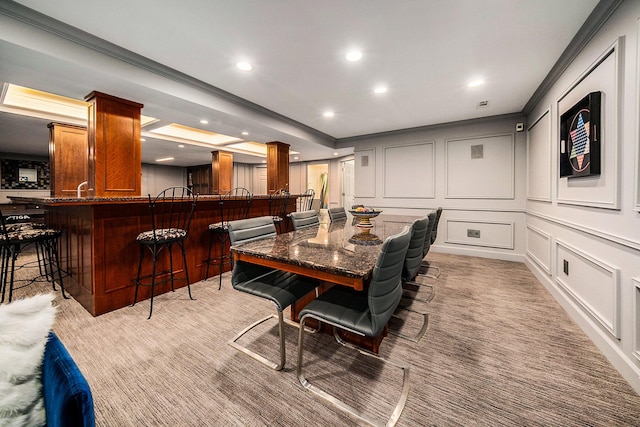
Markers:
point(365, 179)
point(597, 190)
point(591, 283)
point(488, 176)
point(491, 234)
point(539, 158)
point(409, 171)
point(539, 247)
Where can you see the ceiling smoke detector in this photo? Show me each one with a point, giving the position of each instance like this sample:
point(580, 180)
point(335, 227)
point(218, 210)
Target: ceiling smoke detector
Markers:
point(482, 104)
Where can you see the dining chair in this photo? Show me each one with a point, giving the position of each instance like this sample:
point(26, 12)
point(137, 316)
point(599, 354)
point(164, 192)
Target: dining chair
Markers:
point(411, 265)
point(426, 266)
point(14, 238)
point(305, 200)
point(232, 206)
point(280, 287)
point(278, 203)
point(171, 212)
point(337, 214)
point(304, 219)
point(362, 313)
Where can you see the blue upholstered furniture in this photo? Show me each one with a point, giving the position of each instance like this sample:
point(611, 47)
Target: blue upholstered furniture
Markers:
point(67, 397)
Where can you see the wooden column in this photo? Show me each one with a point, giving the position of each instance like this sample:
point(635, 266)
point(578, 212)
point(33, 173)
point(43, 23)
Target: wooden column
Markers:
point(277, 166)
point(68, 159)
point(115, 151)
point(221, 171)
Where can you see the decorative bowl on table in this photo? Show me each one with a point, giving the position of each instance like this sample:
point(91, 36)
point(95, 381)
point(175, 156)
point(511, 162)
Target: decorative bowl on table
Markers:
point(364, 215)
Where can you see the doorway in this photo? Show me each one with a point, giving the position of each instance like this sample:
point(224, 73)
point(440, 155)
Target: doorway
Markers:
point(318, 179)
point(348, 183)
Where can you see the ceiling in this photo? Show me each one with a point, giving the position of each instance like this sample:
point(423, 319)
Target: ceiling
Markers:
point(179, 60)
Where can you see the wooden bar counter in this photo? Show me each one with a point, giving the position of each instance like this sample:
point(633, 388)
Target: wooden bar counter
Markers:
point(98, 248)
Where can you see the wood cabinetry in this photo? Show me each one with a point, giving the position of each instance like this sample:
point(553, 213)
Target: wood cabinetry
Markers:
point(222, 171)
point(115, 168)
point(277, 166)
point(199, 179)
point(68, 159)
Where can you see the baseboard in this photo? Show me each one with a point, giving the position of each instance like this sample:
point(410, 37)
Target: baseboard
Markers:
point(620, 361)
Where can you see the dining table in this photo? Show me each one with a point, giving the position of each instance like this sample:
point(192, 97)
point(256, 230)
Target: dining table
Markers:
point(339, 253)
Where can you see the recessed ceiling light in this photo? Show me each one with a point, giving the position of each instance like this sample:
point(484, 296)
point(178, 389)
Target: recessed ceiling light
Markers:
point(475, 83)
point(204, 122)
point(180, 146)
point(164, 159)
point(245, 133)
point(380, 89)
point(142, 139)
point(354, 55)
point(296, 158)
point(244, 66)
point(336, 153)
point(328, 114)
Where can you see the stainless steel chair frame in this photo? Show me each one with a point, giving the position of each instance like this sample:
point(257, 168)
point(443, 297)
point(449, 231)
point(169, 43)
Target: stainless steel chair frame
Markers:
point(395, 415)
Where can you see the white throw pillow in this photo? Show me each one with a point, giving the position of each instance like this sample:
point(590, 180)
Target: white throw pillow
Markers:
point(24, 328)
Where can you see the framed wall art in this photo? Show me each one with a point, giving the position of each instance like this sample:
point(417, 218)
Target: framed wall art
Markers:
point(580, 138)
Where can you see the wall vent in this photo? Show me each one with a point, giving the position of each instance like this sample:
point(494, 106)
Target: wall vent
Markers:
point(482, 104)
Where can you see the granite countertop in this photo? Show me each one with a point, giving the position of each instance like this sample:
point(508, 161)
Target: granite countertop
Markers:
point(334, 248)
point(49, 201)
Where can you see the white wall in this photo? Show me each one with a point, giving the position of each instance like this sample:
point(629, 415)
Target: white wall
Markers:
point(156, 178)
point(416, 171)
point(583, 234)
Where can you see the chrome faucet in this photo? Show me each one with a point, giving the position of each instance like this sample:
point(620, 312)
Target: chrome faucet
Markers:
point(80, 187)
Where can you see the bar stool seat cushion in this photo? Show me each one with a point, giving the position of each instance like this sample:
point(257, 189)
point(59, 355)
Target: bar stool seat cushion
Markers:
point(219, 227)
point(28, 234)
point(163, 235)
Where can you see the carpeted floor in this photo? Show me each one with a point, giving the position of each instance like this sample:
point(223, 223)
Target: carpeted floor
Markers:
point(499, 352)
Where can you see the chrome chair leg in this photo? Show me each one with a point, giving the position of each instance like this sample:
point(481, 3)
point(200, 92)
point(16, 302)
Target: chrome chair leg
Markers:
point(426, 267)
point(283, 355)
point(393, 419)
point(426, 300)
point(423, 329)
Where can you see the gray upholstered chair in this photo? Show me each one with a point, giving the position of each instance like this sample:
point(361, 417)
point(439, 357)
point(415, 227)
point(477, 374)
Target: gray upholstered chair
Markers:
point(411, 265)
point(171, 213)
point(337, 214)
point(434, 219)
point(362, 313)
point(280, 287)
point(304, 219)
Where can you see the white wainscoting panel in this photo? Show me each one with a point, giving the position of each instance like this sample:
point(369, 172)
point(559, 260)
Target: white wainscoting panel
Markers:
point(593, 285)
point(599, 190)
point(365, 176)
point(480, 167)
point(493, 234)
point(636, 318)
point(539, 158)
point(409, 171)
point(539, 247)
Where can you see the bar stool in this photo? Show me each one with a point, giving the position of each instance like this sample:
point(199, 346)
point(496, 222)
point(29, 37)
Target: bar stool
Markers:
point(14, 238)
point(233, 206)
point(305, 200)
point(278, 202)
point(171, 213)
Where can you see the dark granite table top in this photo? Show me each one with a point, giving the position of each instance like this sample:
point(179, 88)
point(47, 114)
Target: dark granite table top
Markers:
point(337, 248)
